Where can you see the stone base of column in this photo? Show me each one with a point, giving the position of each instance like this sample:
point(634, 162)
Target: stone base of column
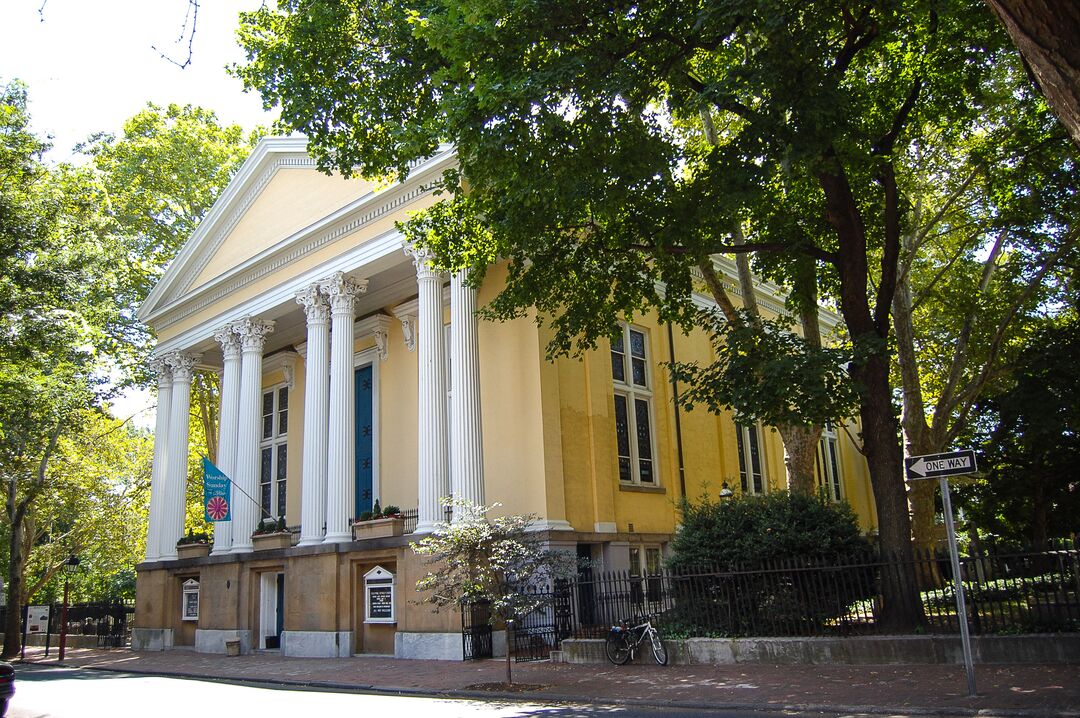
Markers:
point(337, 538)
point(317, 644)
point(310, 541)
point(426, 528)
point(151, 639)
point(210, 640)
point(242, 548)
point(551, 525)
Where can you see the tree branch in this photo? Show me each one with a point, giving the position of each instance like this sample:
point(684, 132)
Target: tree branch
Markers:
point(971, 392)
point(719, 294)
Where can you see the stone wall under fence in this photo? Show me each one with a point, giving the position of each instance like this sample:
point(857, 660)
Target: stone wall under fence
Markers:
point(861, 650)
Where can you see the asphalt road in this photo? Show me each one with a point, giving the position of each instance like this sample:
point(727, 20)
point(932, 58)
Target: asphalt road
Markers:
point(75, 693)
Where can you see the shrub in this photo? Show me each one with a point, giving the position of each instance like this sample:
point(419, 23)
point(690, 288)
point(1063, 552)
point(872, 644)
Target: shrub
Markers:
point(748, 530)
point(718, 590)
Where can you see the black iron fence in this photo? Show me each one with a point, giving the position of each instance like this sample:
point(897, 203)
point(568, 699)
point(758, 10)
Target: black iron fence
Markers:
point(109, 621)
point(1006, 593)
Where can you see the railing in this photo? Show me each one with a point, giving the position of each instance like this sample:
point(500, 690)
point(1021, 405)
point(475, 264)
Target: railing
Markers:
point(1006, 593)
point(411, 517)
point(111, 622)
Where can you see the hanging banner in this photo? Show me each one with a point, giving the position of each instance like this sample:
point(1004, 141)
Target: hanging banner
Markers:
point(216, 492)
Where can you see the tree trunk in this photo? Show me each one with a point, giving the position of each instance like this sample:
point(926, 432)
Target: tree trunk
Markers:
point(901, 610)
point(1047, 34)
point(800, 456)
point(509, 650)
point(13, 618)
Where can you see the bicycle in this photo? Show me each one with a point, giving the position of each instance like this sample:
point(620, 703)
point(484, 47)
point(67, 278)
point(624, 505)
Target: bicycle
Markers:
point(623, 641)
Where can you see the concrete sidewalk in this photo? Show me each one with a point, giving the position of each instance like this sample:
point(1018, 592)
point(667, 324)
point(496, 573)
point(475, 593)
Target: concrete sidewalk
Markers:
point(1018, 690)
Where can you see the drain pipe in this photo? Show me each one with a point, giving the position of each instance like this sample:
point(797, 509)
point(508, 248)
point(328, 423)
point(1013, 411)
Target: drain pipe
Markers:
point(678, 416)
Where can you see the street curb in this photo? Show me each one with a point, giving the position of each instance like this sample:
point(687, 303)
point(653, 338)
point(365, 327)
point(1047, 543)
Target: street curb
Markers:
point(457, 693)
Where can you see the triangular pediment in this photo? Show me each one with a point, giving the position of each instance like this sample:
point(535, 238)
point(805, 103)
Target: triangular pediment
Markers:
point(276, 194)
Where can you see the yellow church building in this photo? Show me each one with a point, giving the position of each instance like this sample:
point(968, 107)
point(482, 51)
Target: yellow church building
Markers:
point(353, 372)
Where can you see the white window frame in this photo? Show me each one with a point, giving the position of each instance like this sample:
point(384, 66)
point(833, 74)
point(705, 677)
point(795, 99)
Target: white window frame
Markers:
point(632, 393)
point(827, 464)
point(276, 439)
point(639, 559)
point(743, 434)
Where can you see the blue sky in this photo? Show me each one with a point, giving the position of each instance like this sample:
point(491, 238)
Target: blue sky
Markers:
point(91, 65)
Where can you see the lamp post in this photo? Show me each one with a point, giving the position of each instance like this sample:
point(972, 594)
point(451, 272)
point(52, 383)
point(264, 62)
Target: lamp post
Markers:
point(726, 492)
point(70, 567)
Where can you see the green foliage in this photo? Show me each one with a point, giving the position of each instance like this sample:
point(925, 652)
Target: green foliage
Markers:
point(77, 481)
point(746, 530)
point(391, 510)
point(1029, 435)
point(767, 373)
point(476, 559)
point(192, 538)
point(161, 177)
point(738, 539)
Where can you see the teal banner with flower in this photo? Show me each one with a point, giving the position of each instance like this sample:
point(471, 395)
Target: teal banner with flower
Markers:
point(216, 492)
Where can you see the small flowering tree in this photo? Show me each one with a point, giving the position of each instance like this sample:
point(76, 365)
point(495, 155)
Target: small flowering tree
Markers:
point(499, 561)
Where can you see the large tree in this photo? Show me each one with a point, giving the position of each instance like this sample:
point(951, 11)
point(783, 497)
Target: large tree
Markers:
point(564, 117)
point(991, 238)
point(57, 318)
point(1045, 32)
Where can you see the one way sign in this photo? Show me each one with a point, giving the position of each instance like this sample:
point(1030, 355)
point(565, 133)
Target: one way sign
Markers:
point(931, 466)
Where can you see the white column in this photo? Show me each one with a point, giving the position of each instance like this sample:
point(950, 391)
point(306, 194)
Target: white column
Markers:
point(227, 425)
point(341, 292)
point(246, 511)
point(433, 482)
point(467, 442)
point(316, 416)
point(161, 442)
point(176, 459)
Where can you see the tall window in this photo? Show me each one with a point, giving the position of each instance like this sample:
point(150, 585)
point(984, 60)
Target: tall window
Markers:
point(632, 378)
point(828, 463)
point(751, 462)
point(274, 451)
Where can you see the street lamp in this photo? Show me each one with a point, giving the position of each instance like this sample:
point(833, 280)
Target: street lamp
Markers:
point(726, 492)
point(70, 567)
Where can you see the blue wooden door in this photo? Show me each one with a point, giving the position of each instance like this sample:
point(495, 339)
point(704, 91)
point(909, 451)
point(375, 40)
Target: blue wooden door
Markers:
point(363, 440)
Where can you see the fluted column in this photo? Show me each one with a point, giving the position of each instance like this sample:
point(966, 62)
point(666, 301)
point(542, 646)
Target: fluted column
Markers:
point(467, 442)
point(227, 425)
point(161, 442)
point(176, 459)
point(341, 291)
point(433, 482)
point(252, 334)
point(316, 416)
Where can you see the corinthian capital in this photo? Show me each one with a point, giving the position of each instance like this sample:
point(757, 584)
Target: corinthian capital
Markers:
point(422, 258)
point(253, 333)
point(342, 291)
point(229, 341)
point(315, 307)
point(182, 365)
point(161, 369)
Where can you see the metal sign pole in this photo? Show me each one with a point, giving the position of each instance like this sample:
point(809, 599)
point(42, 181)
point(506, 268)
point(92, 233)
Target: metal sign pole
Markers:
point(961, 608)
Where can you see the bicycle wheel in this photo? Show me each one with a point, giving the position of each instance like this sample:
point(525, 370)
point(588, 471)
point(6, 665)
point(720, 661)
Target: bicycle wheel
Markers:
point(659, 652)
point(617, 647)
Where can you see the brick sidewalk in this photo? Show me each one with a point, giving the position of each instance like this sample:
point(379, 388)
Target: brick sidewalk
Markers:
point(1049, 690)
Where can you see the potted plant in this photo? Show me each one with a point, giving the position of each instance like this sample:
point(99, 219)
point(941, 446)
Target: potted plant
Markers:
point(195, 544)
point(270, 534)
point(379, 523)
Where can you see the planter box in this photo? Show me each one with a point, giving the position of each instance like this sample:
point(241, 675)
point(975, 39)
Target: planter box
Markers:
point(192, 550)
point(378, 528)
point(265, 542)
